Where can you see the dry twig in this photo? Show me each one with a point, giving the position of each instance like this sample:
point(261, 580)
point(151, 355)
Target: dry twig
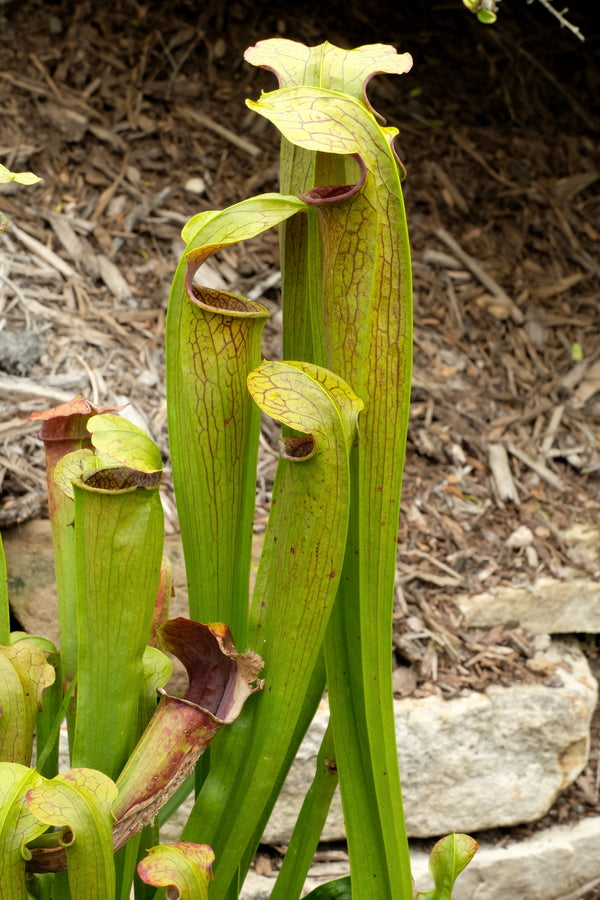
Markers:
point(479, 272)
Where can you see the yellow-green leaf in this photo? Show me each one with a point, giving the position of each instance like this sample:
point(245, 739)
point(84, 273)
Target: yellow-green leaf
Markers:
point(17, 826)
point(358, 324)
point(299, 402)
point(212, 341)
point(326, 65)
point(118, 550)
point(24, 675)
point(78, 801)
point(293, 597)
point(316, 119)
point(4, 607)
point(447, 859)
point(76, 466)
point(7, 176)
point(120, 440)
point(241, 221)
point(184, 867)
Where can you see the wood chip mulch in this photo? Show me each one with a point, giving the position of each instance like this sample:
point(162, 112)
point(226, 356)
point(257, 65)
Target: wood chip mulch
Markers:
point(134, 116)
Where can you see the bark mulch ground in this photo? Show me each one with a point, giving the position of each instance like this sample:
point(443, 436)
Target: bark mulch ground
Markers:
point(134, 116)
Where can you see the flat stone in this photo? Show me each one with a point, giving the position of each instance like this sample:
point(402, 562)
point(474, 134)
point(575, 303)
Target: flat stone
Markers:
point(550, 606)
point(552, 863)
point(484, 760)
point(487, 760)
point(565, 605)
point(31, 585)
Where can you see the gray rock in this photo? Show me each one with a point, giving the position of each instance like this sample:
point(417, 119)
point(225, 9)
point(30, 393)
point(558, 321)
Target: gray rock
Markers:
point(475, 762)
point(19, 350)
point(550, 606)
point(552, 863)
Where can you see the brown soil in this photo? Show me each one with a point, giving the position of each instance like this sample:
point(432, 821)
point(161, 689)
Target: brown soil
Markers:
point(134, 116)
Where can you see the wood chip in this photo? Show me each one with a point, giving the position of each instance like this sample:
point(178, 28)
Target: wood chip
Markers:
point(200, 118)
point(67, 237)
point(504, 484)
point(12, 387)
point(112, 278)
point(44, 253)
point(486, 280)
point(538, 467)
point(18, 510)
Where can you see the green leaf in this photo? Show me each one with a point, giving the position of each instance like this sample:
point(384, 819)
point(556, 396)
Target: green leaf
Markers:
point(448, 858)
point(163, 599)
point(126, 458)
point(361, 329)
point(486, 16)
point(7, 176)
point(50, 712)
point(326, 65)
point(75, 466)
point(157, 669)
point(184, 867)
point(309, 824)
point(212, 342)
point(48, 739)
point(118, 439)
point(119, 537)
point(24, 675)
point(325, 121)
point(63, 430)
point(340, 889)
point(334, 69)
point(298, 402)
point(313, 118)
point(239, 222)
point(35, 639)
point(18, 826)
point(78, 801)
point(291, 604)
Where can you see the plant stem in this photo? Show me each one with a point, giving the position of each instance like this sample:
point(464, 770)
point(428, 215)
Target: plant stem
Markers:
point(309, 824)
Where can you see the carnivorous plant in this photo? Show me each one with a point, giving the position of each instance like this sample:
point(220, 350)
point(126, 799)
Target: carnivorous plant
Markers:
point(320, 613)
